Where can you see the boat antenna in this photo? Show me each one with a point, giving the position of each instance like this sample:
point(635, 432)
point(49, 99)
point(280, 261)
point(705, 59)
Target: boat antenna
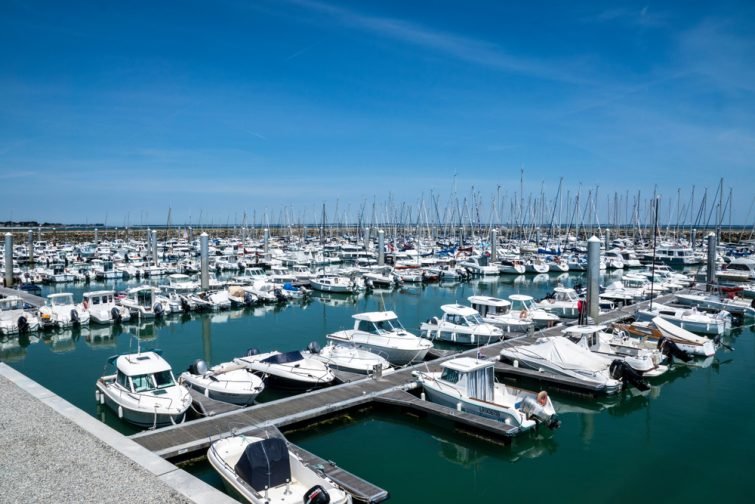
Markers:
point(655, 240)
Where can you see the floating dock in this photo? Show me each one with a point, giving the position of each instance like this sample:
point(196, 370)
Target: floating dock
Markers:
point(31, 299)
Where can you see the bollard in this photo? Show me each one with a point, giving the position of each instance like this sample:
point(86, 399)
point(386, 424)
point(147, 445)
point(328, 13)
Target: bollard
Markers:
point(593, 277)
point(8, 260)
point(381, 247)
point(711, 273)
point(204, 251)
point(96, 236)
point(608, 240)
point(693, 239)
point(265, 240)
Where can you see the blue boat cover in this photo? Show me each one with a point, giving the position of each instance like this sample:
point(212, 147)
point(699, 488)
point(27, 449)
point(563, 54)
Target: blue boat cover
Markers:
point(265, 464)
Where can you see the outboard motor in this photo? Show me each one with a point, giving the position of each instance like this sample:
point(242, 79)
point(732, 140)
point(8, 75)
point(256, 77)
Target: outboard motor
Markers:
point(248, 298)
point(23, 324)
point(116, 314)
point(313, 347)
point(252, 352)
point(185, 306)
point(158, 309)
point(75, 316)
point(198, 367)
point(672, 350)
point(533, 409)
point(620, 370)
point(316, 495)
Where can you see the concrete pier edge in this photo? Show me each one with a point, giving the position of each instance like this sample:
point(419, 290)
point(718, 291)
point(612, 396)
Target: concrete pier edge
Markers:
point(179, 480)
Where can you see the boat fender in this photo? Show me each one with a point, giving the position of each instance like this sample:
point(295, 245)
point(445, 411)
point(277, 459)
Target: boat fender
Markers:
point(251, 352)
point(120, 411)
point(316, 495)
point(23, 324)
point(620, 370)
point(74, 316)
point(116, 314)
point(313, 347)
point(158, 309)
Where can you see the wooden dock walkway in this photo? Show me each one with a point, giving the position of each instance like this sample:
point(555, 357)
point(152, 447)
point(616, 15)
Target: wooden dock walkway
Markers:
point(31, 299)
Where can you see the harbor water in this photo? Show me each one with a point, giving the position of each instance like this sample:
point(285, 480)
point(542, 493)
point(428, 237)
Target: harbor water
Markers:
point(689, 439)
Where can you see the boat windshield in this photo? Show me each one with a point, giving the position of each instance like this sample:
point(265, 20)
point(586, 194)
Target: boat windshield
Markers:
point(474, 319)
point(143, 383)
point(450, 375)
point(62, 300)
point(384, 326)
point(10, 304)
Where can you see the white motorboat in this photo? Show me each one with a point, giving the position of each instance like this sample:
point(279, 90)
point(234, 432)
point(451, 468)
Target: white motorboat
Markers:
point(559, 356)
point(497, 311)
point(14, 318)
point(524, 307)
point(462, 325)
point(102, 308)
point(383, 334)
point(741, 307)
point(349, 358)
point(334, 283)
point(536, 265)
point(288, 369)
point(265, 471)
point(141, 302)
point(478, 265)
point(689, 318)
point(563, 301)
point(658, 328)
point(228, 382)
point(512, 267)
point(645, 359)
point(469, 385)
point(60, 311)
point(143, 391)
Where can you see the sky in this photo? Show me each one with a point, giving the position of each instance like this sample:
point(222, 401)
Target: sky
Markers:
point(119, 112)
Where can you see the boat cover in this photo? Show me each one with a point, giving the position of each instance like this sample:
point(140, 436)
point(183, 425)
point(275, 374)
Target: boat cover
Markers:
point(284, 358)
point(562, 352)
point(265, 464)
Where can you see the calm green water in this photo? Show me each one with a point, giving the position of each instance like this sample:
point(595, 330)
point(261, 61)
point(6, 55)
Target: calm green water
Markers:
point(689, 439)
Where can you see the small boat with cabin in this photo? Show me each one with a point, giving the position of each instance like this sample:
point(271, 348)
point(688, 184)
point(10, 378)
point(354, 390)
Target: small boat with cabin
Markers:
point(61, 312)
point(143, 391)
point(15, 318)
point(497, 311)
point(462, 325)
point(103, 309)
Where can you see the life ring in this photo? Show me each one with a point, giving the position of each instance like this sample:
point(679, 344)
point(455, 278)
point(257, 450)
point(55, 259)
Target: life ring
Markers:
point(523, 314)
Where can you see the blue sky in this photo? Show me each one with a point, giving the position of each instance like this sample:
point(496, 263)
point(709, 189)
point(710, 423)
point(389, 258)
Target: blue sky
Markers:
point(118, 111)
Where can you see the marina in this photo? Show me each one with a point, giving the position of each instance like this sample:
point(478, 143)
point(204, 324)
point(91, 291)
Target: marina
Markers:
point(385, 394)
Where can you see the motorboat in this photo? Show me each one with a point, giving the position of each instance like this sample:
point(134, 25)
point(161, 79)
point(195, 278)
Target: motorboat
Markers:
point(740, 307)
point(468, 384)
point(349, 358)
point(689, 318)
point(524, 307)
point(61, 312)
point(512, 267)
point(383, 334)
point(563, 301)
point(103, 309)
point(287, 369)
point(462, 325)
point(15, 318)
point(141, 302)
point(536, 265)
point(265, 471)
point(658, 328)
point(559, 356)
point(334, 283)
point(645, 359)
point(228, 382)
point(143, 390)
point(497, 311)
point(478, 265)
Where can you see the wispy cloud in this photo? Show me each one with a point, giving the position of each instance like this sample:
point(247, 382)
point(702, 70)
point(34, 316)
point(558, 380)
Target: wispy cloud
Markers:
point(641, 17)
point(466, 49)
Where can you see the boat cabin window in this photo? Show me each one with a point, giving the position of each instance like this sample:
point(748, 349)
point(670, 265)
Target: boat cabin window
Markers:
point(61, 300)
point(144, 298)
point(450, 375)
point(456, 319)
point(163, 379)
point(122, 380)
point(96, 300)
point(143, 383)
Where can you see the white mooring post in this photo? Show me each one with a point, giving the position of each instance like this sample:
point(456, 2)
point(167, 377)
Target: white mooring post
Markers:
point(593, 277)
